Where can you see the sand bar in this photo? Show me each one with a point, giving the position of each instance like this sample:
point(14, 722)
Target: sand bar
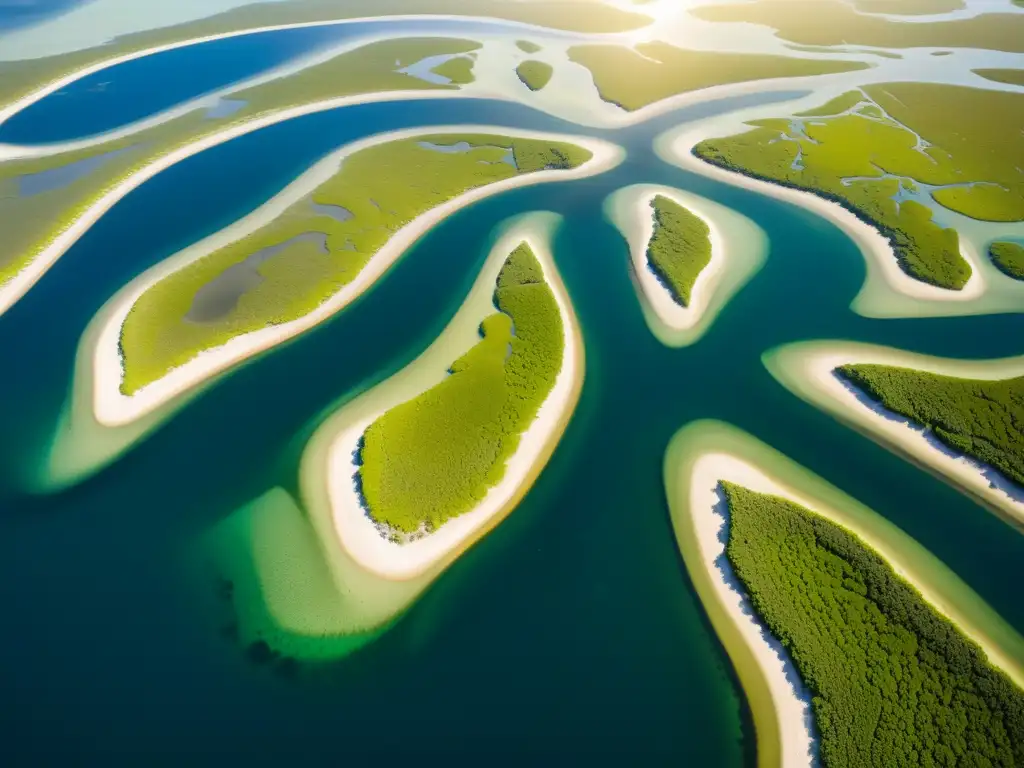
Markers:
point(808, 370)
point(112, 408)
point(738, 249)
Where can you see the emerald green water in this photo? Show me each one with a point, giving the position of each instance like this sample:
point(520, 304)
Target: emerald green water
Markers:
point(571, 633)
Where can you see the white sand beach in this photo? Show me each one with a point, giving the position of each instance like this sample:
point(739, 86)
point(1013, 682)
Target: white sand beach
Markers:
point(357, 533)
point(738, 250)
point(790, 699)
point(112, 408)
point(808, 370)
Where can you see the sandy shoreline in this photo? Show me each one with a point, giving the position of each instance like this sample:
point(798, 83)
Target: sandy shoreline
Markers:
point(807, 368)
point(112, 408)
point(355, 530)
point(738, 249)
point(706, 452)
point(790, 699)
point(878, 251)
point(673, 314)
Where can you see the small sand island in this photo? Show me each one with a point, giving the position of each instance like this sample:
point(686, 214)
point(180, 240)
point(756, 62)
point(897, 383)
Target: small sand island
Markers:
point(960, 419)
point(403, 479)
point(689, 256)
point(808, 591)
point(347, 220)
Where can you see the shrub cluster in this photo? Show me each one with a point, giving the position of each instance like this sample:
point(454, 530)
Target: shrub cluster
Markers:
point(680, 248)
point(1008, 257)
point(983, 419)
point(893, 682)
point(436, 456)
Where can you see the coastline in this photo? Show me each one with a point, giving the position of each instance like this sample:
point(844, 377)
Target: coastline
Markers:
point(704, 452)
point(806, 370)
point(113, 409)
point(877, 250)
point(368, 599)
point(354, 528)
point(738, 250)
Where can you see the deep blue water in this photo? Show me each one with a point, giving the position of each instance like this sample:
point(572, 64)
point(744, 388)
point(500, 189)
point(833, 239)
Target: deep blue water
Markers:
point(570, 634)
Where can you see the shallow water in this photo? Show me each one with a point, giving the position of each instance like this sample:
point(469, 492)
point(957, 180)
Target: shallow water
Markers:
point(570, 632)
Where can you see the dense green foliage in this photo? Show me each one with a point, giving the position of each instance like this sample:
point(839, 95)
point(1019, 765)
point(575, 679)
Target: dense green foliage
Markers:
point(32, 223)
point(1009, 257)
point(893, 682)
point(434, 457)
point(459, 70)
point(534, 74)
point(983, 419)
point(527, 46)
point(897, 136)
point(680, 247)
point(384, 187)
point(655, 70)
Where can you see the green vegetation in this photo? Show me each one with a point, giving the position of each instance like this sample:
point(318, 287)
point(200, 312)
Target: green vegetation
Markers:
point(18, 78)
point(980, 418)
point(31, 223)
point(893, 681)
point(835, 22)
point(901, 135)
point(632, 79)
point(435, 457)
point(534, 74)
point(1008, 76)
point(459, 70)
point(380, 189)
point(1009, 257)
point(680, 247)
point(527, 47)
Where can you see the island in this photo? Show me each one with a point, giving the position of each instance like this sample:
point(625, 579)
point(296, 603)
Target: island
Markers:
point(890, 154)
point(805, 587)
point(171, 331)
point(633, 78)
point(1008, 257)
point(386, 514)
point(50, 196)
point(689, 256)
point(534, 74)
point(957, 418)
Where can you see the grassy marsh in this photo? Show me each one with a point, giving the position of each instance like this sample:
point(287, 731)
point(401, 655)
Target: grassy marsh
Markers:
point(534, 74)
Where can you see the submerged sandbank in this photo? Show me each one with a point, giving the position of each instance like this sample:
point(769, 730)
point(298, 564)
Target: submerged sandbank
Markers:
point(738, 249)
point(807, 369)
point(706, 452)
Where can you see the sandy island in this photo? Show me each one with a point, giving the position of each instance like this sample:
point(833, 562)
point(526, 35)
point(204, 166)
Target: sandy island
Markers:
point(112, 408)
point(738, 248)
point(705, 453)
point(808, 370)
point(356, 531)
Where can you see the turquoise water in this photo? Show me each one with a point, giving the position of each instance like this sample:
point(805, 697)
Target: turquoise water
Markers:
point(571, 633)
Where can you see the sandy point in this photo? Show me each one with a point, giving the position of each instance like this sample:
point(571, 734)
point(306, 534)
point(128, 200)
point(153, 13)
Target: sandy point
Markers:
point(355, 530)
point(808, 369)
point(113, 408)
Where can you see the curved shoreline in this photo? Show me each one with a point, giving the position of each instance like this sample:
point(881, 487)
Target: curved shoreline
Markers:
point(806, 369)
point(878, 253)
point(698, 457)
point(22, 103)
point(369, 598)
point(738, 249)
point(113, 409)
point(355, 529)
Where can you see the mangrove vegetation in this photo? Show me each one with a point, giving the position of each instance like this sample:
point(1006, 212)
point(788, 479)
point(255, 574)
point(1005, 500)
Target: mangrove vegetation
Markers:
point(894, 683)
point(680, 248)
